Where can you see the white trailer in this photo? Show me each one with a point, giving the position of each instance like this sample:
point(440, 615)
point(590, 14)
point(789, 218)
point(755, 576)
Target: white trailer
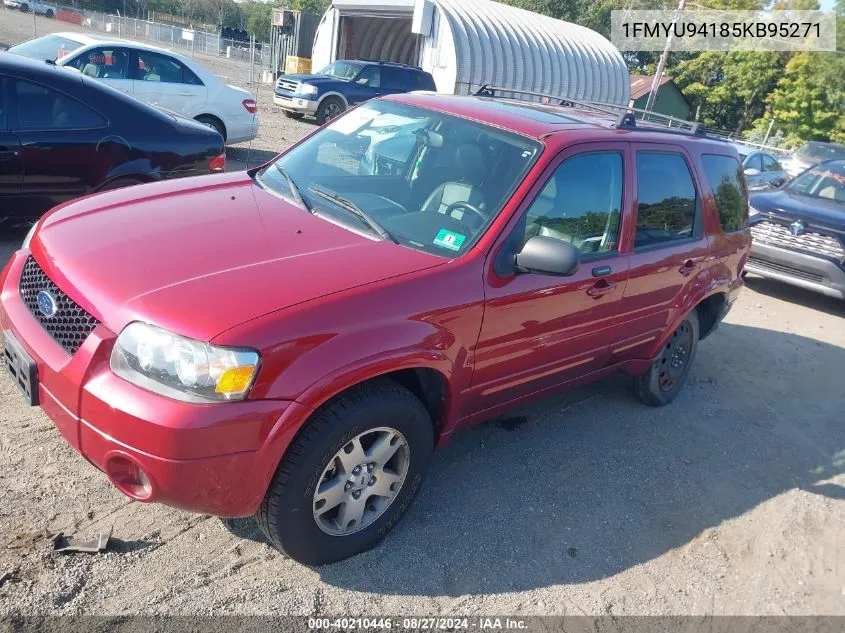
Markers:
point(465, 44)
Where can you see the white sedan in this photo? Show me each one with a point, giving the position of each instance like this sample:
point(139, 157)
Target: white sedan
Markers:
point(155, 75)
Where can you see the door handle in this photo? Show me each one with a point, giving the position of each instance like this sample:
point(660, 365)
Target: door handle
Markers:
point(8, 154)
point(688, 268)
point(601, 288)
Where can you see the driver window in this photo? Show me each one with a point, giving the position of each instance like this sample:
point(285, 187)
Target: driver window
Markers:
point(581, 203)
point(370, 76)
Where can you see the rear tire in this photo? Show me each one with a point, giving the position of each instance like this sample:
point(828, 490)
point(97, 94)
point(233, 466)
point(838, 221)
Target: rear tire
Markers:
point(303, 519)
point(293, 115)
point(48, 13)
point(329, 108)
point(213, 123)
point(667, 374)
point(25, 8)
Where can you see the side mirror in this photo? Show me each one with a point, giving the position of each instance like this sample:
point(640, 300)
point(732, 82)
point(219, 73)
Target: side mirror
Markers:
point(548, 256)
point(752, 172)
point(362, 81)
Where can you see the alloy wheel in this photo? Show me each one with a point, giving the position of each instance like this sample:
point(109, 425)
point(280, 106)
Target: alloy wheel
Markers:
point(361, 481)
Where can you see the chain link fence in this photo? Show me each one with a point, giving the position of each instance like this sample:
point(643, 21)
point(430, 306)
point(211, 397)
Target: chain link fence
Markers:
point(190, 41)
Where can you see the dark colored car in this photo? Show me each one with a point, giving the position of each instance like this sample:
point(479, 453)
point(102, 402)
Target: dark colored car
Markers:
point(345, 83)
point(292, 342)
point(63, 135)
point(799, 231)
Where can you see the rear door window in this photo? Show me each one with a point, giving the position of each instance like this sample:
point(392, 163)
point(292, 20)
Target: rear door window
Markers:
point(666, 199)
point(165, 69)
point(395, 79)
point(725, 180)
point(42, 108)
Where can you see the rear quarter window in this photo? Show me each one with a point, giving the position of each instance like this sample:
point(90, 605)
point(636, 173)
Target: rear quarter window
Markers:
point(725, 179)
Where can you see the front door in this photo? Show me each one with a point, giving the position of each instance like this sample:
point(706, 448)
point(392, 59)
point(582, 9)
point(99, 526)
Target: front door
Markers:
point(59, 137)
point(669, 248)
point(541, 330)
point(108, 64)
point(11, 159)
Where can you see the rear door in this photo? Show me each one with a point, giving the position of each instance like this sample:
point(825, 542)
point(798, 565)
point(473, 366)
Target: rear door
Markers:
point(669, 248)
point(59, 136)
point(164, 81)
point(108, 64)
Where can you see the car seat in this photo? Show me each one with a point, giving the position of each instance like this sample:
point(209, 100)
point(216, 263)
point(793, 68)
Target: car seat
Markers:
point(469, 165)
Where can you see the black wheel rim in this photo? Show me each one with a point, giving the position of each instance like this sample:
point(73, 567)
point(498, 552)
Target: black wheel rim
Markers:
point(332, 110)
point(674, 360)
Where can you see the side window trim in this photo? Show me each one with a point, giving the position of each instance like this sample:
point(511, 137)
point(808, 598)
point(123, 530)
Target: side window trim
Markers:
point(697, 221)
point(19, 126)
point(510, 238)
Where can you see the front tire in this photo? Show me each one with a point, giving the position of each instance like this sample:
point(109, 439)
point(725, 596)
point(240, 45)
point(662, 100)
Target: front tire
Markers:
point(667, 374)
point(328, 109)
point(350, 474)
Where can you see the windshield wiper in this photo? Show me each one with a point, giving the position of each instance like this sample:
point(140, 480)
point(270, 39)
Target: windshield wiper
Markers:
point(293, 188)
point(355, 210)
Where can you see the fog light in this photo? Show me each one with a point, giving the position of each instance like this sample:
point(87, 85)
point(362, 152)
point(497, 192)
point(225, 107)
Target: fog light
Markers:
point(129, 478)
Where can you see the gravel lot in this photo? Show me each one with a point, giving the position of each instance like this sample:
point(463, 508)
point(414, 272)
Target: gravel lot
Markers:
point(729, 501)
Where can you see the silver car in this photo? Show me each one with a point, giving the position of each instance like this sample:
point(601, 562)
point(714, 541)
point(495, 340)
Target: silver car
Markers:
point(811, 153)
point(762, 170)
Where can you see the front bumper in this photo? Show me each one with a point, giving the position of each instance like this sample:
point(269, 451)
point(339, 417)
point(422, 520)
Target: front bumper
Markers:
point(799, 269)
point(295, 104)
point(211, 458)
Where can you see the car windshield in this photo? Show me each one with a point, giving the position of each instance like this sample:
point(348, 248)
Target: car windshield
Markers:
point(826, 180)
point(821, 151)
point(48, 47)
point(423, 179)
point(342, 70)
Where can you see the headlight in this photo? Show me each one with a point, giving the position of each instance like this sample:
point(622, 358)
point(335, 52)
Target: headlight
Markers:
point(29, 235)
point(307, 89)
point(182, 368)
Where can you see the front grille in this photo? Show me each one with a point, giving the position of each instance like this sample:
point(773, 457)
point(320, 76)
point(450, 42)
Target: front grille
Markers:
point(70, 325)
point(786, 270)
point(287, 85)
point(779, 235)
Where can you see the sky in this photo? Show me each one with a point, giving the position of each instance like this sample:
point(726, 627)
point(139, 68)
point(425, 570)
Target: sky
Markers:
point(827, 4)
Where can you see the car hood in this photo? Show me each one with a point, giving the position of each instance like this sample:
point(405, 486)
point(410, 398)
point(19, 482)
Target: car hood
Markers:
point(796, 206)
point(316, 80)
point(201, 255)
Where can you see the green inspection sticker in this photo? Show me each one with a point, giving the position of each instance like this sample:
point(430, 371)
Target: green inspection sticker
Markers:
point(449, 240)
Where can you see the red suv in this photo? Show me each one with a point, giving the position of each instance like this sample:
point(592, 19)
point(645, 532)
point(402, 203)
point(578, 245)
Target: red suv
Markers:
point(293, 341)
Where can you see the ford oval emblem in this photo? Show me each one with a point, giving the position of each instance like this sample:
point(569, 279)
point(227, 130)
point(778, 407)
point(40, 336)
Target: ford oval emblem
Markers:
point(797, 228)
point(47, 304)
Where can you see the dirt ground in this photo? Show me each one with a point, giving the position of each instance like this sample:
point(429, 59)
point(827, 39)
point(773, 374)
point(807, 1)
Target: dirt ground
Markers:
point(729, 501)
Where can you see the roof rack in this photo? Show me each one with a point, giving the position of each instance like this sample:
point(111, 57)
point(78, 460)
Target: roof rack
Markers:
point(626, 116)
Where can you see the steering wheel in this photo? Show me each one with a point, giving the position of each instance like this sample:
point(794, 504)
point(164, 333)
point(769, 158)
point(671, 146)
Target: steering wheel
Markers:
point(467, 206)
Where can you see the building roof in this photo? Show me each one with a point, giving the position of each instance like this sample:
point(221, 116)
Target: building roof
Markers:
point(509, 47)
point(641, 84)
